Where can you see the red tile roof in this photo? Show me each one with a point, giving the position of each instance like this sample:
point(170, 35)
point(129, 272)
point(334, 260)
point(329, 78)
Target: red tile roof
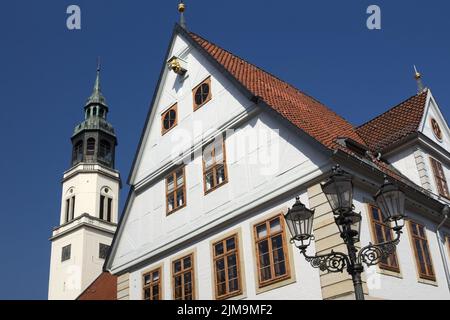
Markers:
point(313, 117)
point(303, 111)
point(103, 288)
point(395, 124)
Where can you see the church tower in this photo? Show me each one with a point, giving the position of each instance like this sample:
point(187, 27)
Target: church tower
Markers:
point(89, 204)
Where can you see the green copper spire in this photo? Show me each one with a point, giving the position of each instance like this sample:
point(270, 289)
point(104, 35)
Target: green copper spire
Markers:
point(97, 96)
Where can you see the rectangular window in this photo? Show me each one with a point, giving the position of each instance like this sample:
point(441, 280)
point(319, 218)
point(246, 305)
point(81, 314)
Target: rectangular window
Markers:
point(72, 213)
point(152, 285)
point(67, 210)
point(271, 251)
point(439, 177)
point(103, 251)
point(109, 209)
point(65, 254)
point(422, 251)
point(214, 165)
point(183, 278)
point(226, 268)
point(175, 191)
point(102, 207)
point(383, 233)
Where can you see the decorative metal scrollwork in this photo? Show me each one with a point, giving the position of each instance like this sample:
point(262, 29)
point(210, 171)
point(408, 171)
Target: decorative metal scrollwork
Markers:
point(373, 254)
point(333, 262)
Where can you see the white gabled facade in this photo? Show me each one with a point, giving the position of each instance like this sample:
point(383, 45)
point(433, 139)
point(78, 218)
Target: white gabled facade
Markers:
point(89, 205)
point(269, 162)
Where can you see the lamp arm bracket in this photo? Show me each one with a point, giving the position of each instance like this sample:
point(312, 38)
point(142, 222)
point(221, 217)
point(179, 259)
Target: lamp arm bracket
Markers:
point(373, 254)
point(332, 262)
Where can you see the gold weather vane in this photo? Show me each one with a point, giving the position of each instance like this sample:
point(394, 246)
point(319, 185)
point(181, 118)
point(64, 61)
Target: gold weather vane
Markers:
point(181, 10)
point(418, 77)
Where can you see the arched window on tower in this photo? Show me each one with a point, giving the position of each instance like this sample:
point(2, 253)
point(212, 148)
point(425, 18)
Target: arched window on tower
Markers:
point(69, 213)
point(77, 155)
point(106, 202)
point(90, 147)
point(105, 151)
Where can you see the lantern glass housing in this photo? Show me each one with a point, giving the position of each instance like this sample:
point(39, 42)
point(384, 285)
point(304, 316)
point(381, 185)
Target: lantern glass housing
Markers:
point(391, 201)
point(299, 220)
point(349, 225)
point(339, 191)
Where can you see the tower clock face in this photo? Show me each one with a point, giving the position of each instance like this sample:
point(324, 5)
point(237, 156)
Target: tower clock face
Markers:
point(436, 129)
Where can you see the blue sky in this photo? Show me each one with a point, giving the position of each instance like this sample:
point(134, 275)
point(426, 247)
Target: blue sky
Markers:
point(47, 72)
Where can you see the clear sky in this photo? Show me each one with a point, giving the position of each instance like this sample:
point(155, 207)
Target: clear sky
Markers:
point(46, 73)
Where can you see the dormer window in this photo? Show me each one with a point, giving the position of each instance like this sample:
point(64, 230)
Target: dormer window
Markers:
point(202, 93)
point(169, 119)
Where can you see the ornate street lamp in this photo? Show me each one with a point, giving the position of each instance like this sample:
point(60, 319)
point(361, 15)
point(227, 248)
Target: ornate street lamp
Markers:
point(391, 201)
point(300, 223)
point(339, 192)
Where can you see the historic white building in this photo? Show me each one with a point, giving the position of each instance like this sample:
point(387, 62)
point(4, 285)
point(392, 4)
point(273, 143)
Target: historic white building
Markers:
point(89, 204)
point(225, 150)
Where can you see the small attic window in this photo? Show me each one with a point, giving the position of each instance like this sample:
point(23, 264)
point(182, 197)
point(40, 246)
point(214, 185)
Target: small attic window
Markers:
point(436, 129)
point(202, 93)
point(169, 119)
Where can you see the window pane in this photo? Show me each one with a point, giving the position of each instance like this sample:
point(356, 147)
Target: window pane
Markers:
point(379, 233)
point(170, 202)
point(231, 244)
point(180, 197)
point(275, 226)
point(427, 258)
point(221, 288)
point(261, 231)
point(265, 273)
point(207, 156)
point(209, 183)
point(156, 276)
point(219, 152)
point(177, 266)
point(375, 214)
point(180, 179)
point(220, 175)
point(264, 260)
point(231, 260)
point(219, 249)
point(421, 231)
point(232, 267)
point(263, 248)
point(155, 290)
point(414, 229)
point(187, 263)
point(278, 256)
point(147, 294)
point(170, 184)
point(220, 272)
point(147, 279)
point(233, 285)
point(421, 261)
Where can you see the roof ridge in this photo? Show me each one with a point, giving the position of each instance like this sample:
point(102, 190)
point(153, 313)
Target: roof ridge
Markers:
point(391, 109)
point(275, 77)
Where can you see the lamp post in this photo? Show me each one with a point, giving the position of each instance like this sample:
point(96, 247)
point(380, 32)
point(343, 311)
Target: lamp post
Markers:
point(339, 192)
